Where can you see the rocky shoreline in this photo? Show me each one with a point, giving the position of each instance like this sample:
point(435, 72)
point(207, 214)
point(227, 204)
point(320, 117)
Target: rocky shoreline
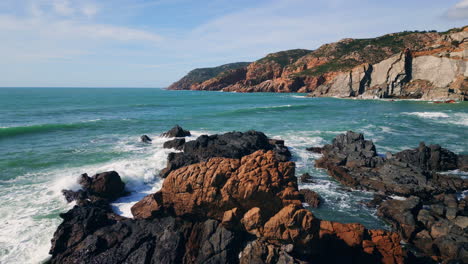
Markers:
point(234, 198)
point(406, 65)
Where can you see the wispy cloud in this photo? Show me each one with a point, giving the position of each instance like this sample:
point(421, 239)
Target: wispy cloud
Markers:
point(459, 10)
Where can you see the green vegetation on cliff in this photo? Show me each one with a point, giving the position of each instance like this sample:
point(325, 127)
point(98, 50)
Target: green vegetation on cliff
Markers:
point(203, 74)
point(286, 57)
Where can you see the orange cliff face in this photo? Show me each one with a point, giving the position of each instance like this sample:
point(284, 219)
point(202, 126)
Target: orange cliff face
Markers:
point(324, 71)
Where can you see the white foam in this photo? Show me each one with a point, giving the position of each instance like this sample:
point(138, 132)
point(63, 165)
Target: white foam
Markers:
point(460, 119)
point(430, 115)
point(28, 220)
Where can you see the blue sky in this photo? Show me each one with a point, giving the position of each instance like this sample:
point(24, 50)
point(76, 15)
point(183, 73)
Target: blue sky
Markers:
point(151, 43)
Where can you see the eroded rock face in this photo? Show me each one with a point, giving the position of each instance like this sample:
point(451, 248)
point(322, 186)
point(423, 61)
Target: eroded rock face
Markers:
point(223, 210)
point(94, 234)
point(353, 161)
point(208, 189)
point(229, 145)
point(431, 218)
point(428, 66)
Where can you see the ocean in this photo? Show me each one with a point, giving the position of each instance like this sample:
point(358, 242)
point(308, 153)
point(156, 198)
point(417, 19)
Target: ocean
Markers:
point(49, 136)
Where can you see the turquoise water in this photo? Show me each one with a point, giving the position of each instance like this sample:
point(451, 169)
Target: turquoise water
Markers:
point(48, 137)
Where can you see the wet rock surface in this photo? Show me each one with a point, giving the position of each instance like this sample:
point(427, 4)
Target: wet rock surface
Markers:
point(146, 139)
point(432, 213)
point(244, 209)
point(102, 186)
point(177, 144)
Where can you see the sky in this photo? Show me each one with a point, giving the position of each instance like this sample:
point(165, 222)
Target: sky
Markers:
point(152, 43)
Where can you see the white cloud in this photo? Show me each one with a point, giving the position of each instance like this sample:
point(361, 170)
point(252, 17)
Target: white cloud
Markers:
point(63, 7)
point(459, 10)
point(89, 10)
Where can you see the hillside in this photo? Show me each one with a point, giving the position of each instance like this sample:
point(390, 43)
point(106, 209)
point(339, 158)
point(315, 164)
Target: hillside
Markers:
point(203, 74)
point(428, 65)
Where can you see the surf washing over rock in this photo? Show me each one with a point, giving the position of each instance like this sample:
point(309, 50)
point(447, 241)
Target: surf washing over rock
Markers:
point(212, 208)
point(408, 65)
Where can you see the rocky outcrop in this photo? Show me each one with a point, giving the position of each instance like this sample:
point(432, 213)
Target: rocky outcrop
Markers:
point(209, 189)
point(432, 217)
point(354, 161)
point(94, 234)
point(223, 210)
point(437, 227)
point(229, 145)
point(417, 65)
point(145, 139)
point(310, 197)
point(176, 131)
point(106, 186)
point(177, 144)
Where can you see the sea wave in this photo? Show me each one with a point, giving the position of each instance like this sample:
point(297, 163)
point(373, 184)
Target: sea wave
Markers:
point(459, 119)
point(29, 220)
point(41, 128)
point(265, 109)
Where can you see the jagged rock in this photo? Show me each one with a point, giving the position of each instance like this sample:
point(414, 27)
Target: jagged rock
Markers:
point(145, 139)
point(106, 185)
point(177, 144)
point(208, 189)
point(315, 149)
point(93, 234)
point(306, 178)
point(400, 213)
point(429, 158)
point(208, 212)
point(353, 161)
point(418, 65)
point(176, 131)
point(229, 145)
point(310, 197)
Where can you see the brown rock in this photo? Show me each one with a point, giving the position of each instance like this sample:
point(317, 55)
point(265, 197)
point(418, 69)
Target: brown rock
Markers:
point(310, 197)
point(208, 189)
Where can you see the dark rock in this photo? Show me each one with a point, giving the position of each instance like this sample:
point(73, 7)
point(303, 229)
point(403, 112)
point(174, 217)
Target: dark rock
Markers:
point(432, 158)
point(71, 196)
point(315, 149)
point(145, 139)
point(177, 144)
point(376, 201)
point(102, 186)
point(106, 185)
point(401, 214)
point(354, 162)
point(463, 162)
point(230, 145)
point(176, 131)
point(93, 234)
point(306, 178)
point(310, 197)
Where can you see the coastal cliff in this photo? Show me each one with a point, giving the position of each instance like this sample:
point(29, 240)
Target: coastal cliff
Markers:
point(410, 65)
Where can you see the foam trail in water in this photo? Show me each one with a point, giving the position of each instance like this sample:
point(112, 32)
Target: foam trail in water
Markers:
point(28, 220)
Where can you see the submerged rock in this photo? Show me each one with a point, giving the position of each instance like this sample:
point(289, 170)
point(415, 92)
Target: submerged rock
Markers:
point(176, 131)
point(145, 139)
